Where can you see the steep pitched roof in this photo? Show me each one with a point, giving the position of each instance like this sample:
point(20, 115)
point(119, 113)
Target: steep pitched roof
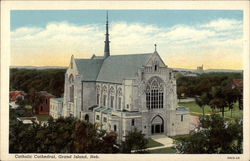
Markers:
point(89, 68)
point(113, 69)
point(117, 67)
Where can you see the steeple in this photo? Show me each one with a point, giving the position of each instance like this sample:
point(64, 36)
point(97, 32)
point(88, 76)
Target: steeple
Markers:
point(106, 47)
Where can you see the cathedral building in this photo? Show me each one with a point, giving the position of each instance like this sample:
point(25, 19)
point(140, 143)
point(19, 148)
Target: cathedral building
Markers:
point(122, 93)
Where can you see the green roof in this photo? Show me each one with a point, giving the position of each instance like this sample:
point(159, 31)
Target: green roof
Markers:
point(98, 109)
point(107, 111)
point(113, 69)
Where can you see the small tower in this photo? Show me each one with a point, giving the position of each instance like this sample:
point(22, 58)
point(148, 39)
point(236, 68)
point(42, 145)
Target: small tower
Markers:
point(106, 47)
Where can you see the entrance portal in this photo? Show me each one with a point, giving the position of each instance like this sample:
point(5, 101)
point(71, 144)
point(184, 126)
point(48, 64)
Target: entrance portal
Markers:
point(157, 125)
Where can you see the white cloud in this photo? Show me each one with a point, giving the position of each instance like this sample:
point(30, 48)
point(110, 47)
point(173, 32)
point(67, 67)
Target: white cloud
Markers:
point(223, 24)
point(61, 39)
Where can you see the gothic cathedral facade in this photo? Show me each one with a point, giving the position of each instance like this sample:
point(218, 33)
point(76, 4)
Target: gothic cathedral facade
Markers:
point(122, 93)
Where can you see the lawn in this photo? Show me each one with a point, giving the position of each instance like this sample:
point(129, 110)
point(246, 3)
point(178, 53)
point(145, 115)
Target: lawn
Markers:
point(163, 150)
point(196, 110)
point(42, 117)
point(152, 143)
point(177, 137)
point(28, 107)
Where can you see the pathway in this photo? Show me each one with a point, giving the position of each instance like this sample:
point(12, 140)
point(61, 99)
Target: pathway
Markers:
point(163, 139)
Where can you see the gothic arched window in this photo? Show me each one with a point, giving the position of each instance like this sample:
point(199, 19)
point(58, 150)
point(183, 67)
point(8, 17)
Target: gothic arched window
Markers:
point(86, 118)
point(104, 92)
point(119, 93)
point(98, 95)
point(71, 79)
point(154, 94)
point(71, 88)
point(112, 97)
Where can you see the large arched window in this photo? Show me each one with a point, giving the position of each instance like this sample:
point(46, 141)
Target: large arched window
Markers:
point(154, 93)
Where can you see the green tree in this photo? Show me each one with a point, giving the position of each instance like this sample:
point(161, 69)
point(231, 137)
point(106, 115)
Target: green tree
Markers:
point(202, 101)
point(181, 91)
point(231, 97)
point(64, 135)
point(136, 141)
point(213, 136)
point(218, 99)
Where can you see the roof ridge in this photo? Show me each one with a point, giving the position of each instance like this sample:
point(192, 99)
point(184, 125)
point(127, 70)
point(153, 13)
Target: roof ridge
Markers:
point(133, 54)
point(113, 55)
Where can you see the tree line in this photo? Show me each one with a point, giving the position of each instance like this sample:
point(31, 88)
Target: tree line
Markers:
point(214, 135)
point(52, 81)
point(196, 86)
point(33, 80)
point(68, 135)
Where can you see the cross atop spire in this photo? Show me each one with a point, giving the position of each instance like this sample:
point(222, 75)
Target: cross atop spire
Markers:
point(106, 47)
point(155, 47)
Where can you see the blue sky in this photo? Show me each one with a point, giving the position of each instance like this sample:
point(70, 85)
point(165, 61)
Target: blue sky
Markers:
point(156, 17)
point(194, 36)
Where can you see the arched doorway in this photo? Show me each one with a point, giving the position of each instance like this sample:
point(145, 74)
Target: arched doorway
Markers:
point(86, 118)
point(157, 125)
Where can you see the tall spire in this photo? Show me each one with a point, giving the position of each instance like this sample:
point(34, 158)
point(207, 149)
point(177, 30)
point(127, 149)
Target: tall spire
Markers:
point(106, 48)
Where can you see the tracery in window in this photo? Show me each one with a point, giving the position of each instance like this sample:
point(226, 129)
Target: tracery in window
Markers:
point(154, 93)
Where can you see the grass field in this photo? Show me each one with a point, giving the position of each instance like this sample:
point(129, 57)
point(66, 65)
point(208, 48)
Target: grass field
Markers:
point(163, 150)
point(179, 136)
point(196, 110)
point(42, 117)
point(152, 143)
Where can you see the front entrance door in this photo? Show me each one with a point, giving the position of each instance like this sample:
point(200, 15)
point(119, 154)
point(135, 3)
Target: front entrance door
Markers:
point(157, 125)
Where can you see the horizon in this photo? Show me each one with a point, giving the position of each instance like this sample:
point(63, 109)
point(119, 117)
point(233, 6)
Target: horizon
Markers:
point(185, 38)
point(170, 67)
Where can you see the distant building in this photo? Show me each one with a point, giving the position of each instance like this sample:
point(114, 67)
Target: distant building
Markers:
point(14, 95)
point(238, 84)
point(27, 120)
point(56, 107)
point(190, 75)
point(200, 69)
point(44, 103)
point(187, 74)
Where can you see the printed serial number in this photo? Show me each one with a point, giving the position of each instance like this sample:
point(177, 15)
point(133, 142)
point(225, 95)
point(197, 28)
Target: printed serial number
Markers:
point(233, 157)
